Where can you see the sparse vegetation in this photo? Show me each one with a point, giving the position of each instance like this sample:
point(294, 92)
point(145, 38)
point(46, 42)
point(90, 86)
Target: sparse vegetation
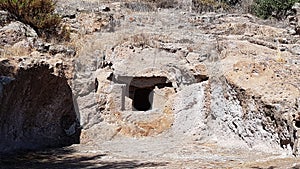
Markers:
point(276, 8)
point(14, 51)
point(164, 3)
point(150, 5)
point(64, 33)
point(204, 5)
point(139, 6)
point(214, 5)
point(39, 14)
point(262, 8)
point(198, 5)
point(231, 2)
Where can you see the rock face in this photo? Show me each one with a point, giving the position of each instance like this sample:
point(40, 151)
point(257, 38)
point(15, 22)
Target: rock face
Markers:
point(37, 109)
point(15, 32)
point(203, 77)
point(222, 78)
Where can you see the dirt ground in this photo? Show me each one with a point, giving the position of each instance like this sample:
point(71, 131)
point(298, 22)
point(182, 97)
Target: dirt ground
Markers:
point(159, 153)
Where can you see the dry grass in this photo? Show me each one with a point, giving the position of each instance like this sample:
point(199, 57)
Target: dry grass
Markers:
point(141, 5)
point(208, 6)
point(39, 14)
point(12, 52)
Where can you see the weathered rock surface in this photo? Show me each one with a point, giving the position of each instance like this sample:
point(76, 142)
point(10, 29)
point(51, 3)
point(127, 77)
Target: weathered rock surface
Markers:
point(15, 32)
point(236, 58)
point(225, 80)
point(37, 109)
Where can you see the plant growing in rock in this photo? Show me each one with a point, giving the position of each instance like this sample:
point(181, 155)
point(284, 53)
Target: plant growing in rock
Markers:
point(276, 8)
point(39, 14)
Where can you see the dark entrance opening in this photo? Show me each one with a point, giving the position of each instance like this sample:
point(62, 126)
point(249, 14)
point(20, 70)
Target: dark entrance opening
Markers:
point(143, 99)
point(140, 91)
point(36, 110)
point(297, 123)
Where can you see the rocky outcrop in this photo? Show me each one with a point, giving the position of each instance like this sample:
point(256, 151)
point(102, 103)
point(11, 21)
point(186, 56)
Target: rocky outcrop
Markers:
point(221, 78)
point(224, 75)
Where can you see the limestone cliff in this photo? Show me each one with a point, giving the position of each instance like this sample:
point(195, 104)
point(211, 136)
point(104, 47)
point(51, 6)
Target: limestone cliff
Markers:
point(144, 72)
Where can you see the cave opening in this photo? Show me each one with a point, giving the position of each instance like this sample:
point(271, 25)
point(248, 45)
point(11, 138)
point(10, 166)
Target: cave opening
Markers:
point(36, 111)
point(140, 93)
point(297, 124)
point(142, 99)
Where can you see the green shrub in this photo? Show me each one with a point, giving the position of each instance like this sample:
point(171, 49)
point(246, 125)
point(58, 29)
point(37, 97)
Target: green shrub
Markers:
point(39, 14)
point(275, 8)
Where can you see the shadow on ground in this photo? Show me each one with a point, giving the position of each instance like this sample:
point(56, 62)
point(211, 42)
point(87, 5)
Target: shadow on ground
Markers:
point(272, 167)
point(66, 158)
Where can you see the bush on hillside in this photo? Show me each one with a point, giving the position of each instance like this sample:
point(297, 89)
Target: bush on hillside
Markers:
point(39, 14)
point(276, 8)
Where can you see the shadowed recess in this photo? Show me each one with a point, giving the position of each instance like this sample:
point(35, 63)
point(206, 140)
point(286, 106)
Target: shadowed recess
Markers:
point(36, 111)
